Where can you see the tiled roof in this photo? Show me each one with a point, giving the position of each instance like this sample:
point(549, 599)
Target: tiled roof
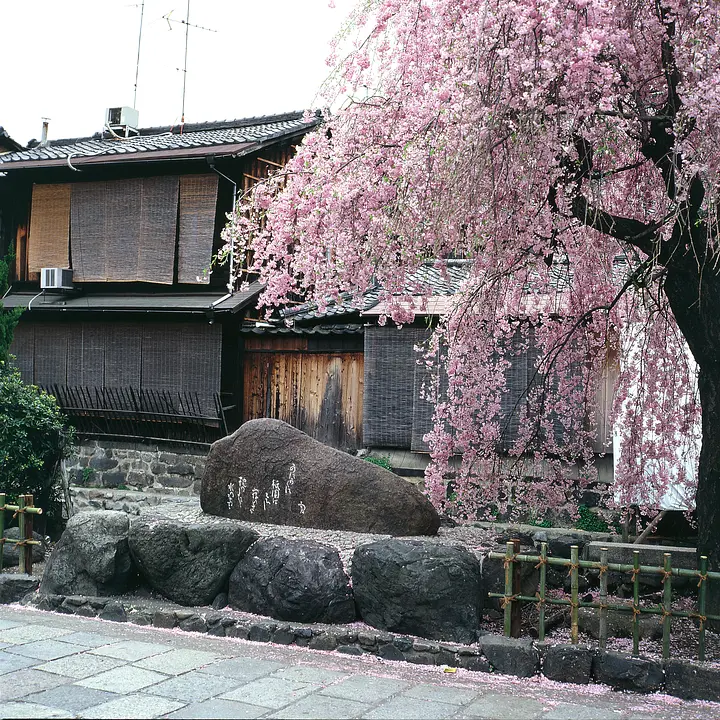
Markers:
point(337, 329)
point(427, 280)
point(161, 140)
point(7, 142)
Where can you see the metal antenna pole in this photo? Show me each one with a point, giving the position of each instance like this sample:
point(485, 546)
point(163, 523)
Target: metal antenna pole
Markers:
point(187, 32)
point(137, 64)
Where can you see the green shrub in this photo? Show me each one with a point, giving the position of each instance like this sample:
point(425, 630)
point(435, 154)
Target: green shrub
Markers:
point(383, 462)
point(590, 521)
point(33, 439)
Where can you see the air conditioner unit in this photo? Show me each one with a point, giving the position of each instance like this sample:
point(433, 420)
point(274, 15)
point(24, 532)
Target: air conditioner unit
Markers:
point(56, 279)
point(122, 119)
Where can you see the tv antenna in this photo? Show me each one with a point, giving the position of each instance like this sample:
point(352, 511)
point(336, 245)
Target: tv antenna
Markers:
point(137, 63)
point(188, 25)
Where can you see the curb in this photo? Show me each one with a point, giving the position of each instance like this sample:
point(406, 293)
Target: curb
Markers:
point(522, 658)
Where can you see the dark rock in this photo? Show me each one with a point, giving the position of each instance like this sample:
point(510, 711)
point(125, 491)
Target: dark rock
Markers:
point(216, 630)
point(11, 554)
point(164, 619)
point(181, 469)
point(403, 644)
point(114, 611)
point(367, 640)
point(560, 545)
point(350, 650)
point(445, 657)
point(493, 580)
point(220, 601)
point(510, 656)
point(420, 658)
point(268, 471)
point(475, 663)
point(87, 611)
point(91, 557)
point(237, 631)
point(112, 480)
point(194, 623)
point(418, 587)
point(325, 641)
point(525, 538)
point(390, 652)
point(619, 624)
point(67, 609)
point(187, 563)
point(102, 463)
point(138, 617)
point(296, 580)
point(303, 632)
point(76, 600)
point(284, 636)
point(623, 672)
point(569, 663)
point(14, 586)
point(261, 632)
point(692, 681)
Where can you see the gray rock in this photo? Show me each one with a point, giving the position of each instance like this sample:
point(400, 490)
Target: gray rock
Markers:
point(14, 586)
point(114, 611)
point(91, 557)
point(569, 663)
point(194, 623)
point(268, 471)
point(619, 624)
point(11, 553)
point(187, 563)
point(418, 587)
point(295, 580)
point(493, 580)
point(623, 672)
point(560, 546)
point(692, 681)
point(510, 656)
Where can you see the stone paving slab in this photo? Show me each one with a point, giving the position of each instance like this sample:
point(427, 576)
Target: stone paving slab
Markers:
point(146, 672)
point(46, 649)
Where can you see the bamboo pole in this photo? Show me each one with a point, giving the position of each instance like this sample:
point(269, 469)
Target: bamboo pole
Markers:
point(543, 582)
point(574, 594)
point(667, 604)
point(507, 604)
point(603, 613)
point(21, 527)
point(516, 613)
point(702, 595)
point(2, 528)
point(636, 603)
point(27, 568)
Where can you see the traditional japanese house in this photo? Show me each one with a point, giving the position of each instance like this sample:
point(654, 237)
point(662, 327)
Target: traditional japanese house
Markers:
point(127, 320)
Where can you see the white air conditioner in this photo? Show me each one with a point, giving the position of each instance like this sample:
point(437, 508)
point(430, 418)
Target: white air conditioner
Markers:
point(56, 279)
point(122, 118)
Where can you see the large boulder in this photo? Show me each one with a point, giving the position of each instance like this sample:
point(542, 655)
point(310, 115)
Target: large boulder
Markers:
point(188, 563)
point(295, 580)
point(268, 471)
point(91, 557)
point(418, 587)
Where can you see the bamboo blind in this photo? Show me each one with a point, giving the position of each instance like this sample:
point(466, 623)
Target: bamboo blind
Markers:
point(158, 227)
point(198, 200)
point(123, 212)
point(49, 227)
point(88, 231)
point(23, 348)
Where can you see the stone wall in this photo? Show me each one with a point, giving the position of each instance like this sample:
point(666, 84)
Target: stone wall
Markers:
point(168, 469)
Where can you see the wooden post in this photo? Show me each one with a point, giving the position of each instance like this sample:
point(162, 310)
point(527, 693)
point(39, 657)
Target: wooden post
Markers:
point(28, 536)
point(507, 608)
point(516, 614)
point(702, 595)
point(603, 613)
point(2, 528)
point(543, 582)
point(574, 594)
point(636, 603)
point(21, 527)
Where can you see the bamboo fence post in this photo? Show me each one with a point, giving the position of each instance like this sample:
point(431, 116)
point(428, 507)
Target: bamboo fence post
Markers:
point(543, 581)
point(636, 603)
point(574, 594)
point(702, 595)
point(516, 614)
point(507, 602)
point(28, 536)
point(2, 528)
point(21, 527)
point(667, 603)
point(603, 613)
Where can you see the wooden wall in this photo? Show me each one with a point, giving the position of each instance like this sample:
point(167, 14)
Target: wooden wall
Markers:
point(319, 391)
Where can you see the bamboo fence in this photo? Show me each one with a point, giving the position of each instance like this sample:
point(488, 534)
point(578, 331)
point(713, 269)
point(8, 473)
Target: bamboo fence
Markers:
point(24, 512)
point(512, 599)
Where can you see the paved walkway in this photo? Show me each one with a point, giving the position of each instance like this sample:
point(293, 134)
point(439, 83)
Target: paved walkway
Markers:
point(60, 666)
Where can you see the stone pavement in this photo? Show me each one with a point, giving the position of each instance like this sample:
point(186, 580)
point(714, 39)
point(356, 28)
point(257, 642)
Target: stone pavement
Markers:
point(61, 666)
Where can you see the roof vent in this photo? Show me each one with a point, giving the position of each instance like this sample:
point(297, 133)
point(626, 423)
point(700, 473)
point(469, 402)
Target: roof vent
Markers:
point(122, 121)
